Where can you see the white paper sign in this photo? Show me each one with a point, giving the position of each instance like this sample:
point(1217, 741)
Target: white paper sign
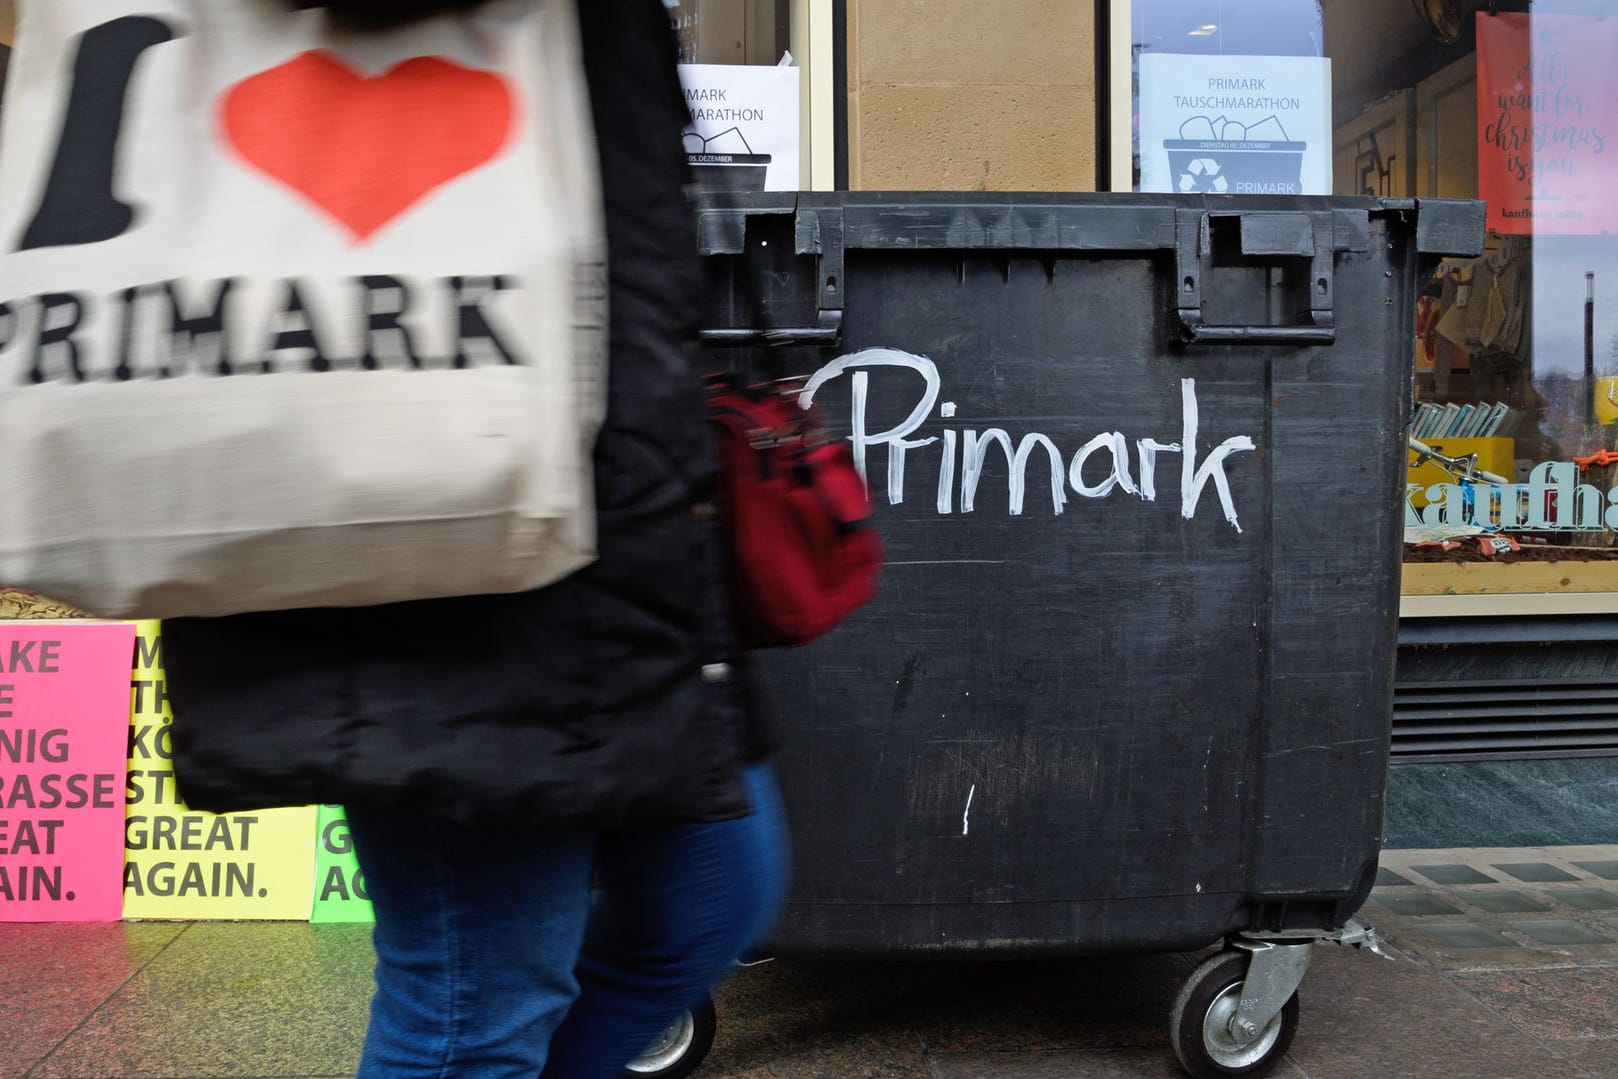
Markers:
point(744, 126)
point(1235, 125)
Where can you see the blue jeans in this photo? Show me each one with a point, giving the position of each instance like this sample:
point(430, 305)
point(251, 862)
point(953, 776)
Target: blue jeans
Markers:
point(506, 954)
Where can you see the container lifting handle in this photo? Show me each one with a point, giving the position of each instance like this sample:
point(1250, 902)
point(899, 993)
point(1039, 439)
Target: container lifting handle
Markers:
point(819, 232)
point(828, 334)
point(1293, 235)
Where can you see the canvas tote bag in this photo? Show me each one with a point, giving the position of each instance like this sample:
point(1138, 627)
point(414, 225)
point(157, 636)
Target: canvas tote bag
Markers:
point(294, 313)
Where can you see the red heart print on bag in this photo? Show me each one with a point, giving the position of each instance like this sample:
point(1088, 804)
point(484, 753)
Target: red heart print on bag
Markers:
point(366, 149)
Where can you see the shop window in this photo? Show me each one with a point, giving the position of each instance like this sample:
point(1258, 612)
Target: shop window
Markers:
point(730, 31)
point(744, 92)
point(1248, 77)
point(1513, 474)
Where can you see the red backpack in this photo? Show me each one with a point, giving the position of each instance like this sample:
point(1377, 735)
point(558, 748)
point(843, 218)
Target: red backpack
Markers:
point(802, 550)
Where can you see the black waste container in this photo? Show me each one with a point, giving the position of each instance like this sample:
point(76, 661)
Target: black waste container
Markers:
point(1138, 463)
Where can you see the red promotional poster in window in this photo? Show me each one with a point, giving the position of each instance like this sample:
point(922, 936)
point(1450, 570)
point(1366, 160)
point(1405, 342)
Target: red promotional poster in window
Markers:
point(1547, 136)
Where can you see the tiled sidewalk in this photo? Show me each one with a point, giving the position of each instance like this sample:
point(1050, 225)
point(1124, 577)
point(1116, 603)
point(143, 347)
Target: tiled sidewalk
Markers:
point(1520, 907)
point(1505, 966)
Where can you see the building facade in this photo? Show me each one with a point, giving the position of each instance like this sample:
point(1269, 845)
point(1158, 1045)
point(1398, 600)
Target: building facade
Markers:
point(1509, 612)
point(1508, 689)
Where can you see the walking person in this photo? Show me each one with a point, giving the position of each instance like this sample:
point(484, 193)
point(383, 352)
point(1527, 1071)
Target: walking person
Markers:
point(560, 798)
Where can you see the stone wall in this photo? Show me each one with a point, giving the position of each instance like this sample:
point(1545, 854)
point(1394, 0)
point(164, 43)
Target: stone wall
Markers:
point(969, 95)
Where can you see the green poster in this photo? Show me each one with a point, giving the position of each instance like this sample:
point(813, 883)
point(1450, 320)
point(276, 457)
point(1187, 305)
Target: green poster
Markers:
point(339, 888)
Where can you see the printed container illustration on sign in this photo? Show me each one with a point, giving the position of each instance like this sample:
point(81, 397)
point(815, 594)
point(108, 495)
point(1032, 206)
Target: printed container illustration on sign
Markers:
point(1137, 463)
point(718, 168)
point(1235, 159)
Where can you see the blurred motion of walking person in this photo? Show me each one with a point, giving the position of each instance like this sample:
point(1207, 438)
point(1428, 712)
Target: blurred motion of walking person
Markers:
point(558, 797)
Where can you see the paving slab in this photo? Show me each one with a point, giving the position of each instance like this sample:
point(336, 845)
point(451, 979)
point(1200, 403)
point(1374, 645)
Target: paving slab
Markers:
point(1557, 1004)
point(1069, 1064)
point(1491, 908)
point(814, 1020)
point(1363, 1016)
point(1597, 1056)
point(1519, 978)
point(223, 999)
point(54, 976)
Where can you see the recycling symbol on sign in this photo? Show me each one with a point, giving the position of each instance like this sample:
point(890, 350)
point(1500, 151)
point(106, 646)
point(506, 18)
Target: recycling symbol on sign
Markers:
point(1202, 175)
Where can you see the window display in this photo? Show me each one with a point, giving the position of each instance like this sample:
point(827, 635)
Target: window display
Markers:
point(743, 92)
point(1513, 462)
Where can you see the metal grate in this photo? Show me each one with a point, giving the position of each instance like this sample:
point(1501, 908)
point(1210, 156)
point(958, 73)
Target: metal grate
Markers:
point(1505, 719)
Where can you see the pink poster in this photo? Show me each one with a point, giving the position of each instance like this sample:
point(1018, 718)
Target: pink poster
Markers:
point(1547, 122)
point(64, 742)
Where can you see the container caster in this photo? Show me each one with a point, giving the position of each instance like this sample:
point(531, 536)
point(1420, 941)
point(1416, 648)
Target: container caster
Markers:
point(1214, 1035)
point(680, 1049)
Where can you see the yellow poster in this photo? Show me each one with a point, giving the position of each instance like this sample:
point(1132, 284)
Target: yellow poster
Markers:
point(188, 865)
point(1607, 399)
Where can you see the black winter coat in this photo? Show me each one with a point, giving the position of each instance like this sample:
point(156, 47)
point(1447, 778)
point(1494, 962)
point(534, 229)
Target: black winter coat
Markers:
point(582, 704)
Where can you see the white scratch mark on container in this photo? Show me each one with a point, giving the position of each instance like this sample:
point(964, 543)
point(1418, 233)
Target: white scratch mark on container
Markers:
point(966, 815)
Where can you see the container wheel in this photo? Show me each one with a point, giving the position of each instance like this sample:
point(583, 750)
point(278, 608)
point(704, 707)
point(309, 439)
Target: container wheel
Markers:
point(679, 1050)
point(1201, 1024)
